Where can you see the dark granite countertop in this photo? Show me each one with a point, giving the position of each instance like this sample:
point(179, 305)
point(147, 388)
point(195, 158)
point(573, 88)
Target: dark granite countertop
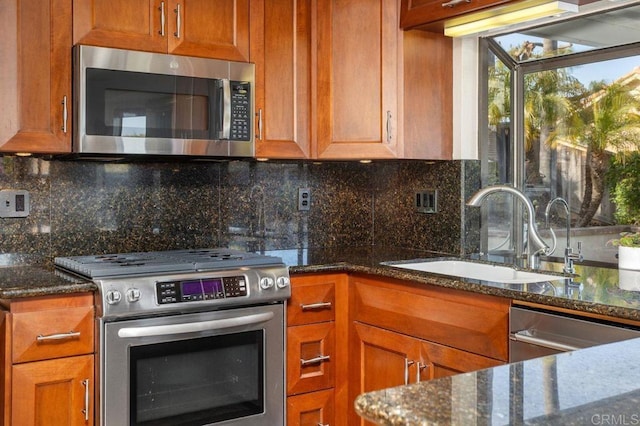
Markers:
point(594, 386)
point(30, 281)
point(595, 289)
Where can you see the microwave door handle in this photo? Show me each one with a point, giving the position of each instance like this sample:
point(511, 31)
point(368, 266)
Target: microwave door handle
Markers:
point(193, 327)
point(225, 108)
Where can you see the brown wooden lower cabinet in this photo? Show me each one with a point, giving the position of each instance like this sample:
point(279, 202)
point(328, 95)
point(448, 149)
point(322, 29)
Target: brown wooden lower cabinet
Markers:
point(381, 359)
point(379, 333)
point(311, 409)
point(403, 332)
point(48, 361)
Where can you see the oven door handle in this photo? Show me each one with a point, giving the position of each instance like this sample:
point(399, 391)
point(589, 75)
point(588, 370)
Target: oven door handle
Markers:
point(193, 327)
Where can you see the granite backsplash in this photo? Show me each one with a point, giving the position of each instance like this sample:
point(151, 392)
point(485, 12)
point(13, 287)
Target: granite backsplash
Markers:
point(90, 207)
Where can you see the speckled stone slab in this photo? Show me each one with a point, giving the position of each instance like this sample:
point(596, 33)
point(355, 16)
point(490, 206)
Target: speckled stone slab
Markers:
point(595, 386)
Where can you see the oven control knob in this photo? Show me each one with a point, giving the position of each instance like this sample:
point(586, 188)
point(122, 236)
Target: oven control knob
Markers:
point(113, 297)
point(133, 295)
point(266, 283)
point(283, 282)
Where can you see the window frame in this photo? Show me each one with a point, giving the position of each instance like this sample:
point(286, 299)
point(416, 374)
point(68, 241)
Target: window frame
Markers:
point(487, 47)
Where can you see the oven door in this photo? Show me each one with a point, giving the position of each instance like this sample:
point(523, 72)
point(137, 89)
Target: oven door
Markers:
point(213, 368)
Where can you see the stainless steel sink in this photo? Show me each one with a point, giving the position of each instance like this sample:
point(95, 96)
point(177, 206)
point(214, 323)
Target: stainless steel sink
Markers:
point(478, 271)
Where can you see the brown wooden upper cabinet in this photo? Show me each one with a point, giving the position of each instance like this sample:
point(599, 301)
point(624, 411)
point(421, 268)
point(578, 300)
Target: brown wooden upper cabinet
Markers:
point(214, 29)
point(282, 53)
point(329, 86)
point(431, 14)
point(35, 87)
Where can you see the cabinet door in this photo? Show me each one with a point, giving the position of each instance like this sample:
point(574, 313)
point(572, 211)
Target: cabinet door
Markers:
point(359, 53)
point(212, 29)
point(35, 87)
point(442, 361)
point(381, 359)
point(281, 50)
point(56, 392)
point(311, 409)
point(122, 24)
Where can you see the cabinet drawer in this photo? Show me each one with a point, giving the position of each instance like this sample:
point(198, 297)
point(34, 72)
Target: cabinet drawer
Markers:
point(310, 357)
point(52, 333)
point(314, 408)
point(312, 300)
point(475, 323)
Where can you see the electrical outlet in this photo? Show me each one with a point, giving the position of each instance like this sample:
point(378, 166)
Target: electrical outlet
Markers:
point(304, 199)
point(426, 201)
point(14, 203)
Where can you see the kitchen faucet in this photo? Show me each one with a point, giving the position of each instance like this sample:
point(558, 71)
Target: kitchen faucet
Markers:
point(533, 238)
point(569, 255)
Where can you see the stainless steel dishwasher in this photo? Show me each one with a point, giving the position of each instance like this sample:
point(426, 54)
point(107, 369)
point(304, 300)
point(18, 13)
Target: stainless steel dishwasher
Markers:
point(534, 333)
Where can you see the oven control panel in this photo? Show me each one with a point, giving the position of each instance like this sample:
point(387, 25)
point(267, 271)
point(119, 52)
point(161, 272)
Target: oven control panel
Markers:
point(192, 290)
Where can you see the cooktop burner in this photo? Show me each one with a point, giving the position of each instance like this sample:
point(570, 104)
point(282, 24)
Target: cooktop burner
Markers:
point(151, 263)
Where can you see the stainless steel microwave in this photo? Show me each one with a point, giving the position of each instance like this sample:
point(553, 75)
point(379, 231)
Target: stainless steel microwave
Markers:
point(129, 102)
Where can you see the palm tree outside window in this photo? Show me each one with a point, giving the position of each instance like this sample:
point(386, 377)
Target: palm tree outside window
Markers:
point(562, 118)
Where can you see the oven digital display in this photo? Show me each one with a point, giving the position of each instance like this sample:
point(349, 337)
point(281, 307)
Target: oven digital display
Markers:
point(201, 289)
point(205, 289)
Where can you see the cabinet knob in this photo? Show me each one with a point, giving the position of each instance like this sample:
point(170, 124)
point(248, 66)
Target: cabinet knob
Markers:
point(133, 295)
point(266, 283)
point(113, 297)
point(282, 282)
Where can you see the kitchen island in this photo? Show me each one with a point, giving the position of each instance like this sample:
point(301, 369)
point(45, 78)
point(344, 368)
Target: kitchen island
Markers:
point(594, 386)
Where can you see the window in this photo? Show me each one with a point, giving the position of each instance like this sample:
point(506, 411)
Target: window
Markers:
point(562, 119)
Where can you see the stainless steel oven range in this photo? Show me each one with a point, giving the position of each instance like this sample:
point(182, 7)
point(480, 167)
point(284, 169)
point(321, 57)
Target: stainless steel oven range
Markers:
point(189, 337)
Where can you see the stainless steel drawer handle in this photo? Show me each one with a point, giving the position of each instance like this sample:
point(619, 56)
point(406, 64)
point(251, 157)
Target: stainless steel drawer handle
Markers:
point(178, 21)
point(85, 410)
point(317, 360)
point(162, 19)
point(316, 306)
point(454, 3)
point(65, 114)
point(58, 336)
point(407, 363)
point(525, 336)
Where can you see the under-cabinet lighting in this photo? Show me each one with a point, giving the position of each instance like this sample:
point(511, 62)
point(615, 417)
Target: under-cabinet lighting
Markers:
point(504, 16)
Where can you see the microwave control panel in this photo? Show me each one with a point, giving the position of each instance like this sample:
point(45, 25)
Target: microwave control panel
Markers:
point(240, 111)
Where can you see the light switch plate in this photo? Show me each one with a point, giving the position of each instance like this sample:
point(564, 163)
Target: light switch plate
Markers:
point(304, 199)
point(14, 203)
point(426, 201)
